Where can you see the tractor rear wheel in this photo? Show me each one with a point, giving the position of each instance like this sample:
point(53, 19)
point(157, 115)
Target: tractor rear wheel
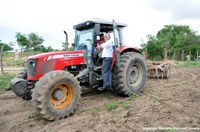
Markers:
point(56, 95)
point(130, 75)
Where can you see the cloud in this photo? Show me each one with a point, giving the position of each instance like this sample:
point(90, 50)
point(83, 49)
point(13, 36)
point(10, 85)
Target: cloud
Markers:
point(50, 18)
point(179, 9)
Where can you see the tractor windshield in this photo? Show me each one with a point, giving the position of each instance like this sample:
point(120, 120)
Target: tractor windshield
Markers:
point(84, 40)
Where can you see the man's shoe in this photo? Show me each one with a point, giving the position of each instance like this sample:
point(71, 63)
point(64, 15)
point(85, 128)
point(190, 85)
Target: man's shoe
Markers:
point(101, 88)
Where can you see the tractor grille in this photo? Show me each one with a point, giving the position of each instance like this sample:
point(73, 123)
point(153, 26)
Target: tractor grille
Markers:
point(31, 66)
point(46, 66)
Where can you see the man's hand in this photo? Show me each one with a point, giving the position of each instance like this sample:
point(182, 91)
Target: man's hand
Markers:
point(98, 47)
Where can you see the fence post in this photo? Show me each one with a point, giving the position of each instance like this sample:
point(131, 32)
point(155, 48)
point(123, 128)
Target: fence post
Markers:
point(145, 54)
point(1, 60)
point(165, 54)
point(174, 55)
point(189, 55)
point(197, 54)
point(16, 55)
point(182, 56)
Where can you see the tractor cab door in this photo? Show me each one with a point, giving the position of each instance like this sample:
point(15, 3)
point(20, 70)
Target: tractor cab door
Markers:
point(116, 33)
point(117, 40)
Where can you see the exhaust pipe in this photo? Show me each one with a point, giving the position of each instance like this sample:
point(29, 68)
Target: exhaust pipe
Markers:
point(66, 40)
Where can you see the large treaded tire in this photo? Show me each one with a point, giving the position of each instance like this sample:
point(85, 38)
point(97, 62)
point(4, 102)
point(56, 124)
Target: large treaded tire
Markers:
point(42, 95)
point(132, 66)
point(23, 75)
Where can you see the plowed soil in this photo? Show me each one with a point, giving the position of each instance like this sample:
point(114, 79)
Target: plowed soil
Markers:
point(173, 102)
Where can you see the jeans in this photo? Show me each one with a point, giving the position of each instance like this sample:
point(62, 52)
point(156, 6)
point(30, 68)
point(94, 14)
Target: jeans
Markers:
point(106, 72)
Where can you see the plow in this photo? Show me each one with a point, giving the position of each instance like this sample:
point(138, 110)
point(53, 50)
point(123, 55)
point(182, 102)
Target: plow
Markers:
point(158, 70)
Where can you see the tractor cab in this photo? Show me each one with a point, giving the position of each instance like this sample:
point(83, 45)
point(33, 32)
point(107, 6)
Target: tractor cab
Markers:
point(87, 33)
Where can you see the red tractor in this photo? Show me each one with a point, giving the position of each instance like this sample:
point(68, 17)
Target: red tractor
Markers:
point(53, 80)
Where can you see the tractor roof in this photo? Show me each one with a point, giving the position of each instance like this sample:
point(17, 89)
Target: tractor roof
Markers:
point(94, 21)
point(106, 22)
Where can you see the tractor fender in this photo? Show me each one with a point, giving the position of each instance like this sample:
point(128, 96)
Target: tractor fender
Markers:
point(122, 50)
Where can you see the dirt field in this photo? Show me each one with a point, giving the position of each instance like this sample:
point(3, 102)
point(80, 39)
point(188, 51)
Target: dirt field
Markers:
point(173, 103)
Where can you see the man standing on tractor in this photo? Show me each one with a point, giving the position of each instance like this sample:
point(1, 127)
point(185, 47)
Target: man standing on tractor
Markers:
point(107, 54)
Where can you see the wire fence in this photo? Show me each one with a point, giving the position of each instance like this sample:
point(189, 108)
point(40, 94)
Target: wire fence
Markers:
point(178, 55)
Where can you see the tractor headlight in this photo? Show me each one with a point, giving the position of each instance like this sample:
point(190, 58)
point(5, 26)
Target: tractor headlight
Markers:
point(32, 66)
point(32, 63)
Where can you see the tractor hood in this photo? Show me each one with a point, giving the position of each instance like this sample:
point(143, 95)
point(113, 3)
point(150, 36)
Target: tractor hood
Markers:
point(56, 55)
point(40, 64)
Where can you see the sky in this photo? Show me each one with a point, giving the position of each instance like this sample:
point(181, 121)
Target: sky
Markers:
point(49, 18)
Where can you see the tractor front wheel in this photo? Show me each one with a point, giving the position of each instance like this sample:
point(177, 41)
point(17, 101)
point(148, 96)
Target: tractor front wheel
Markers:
point(56, 95)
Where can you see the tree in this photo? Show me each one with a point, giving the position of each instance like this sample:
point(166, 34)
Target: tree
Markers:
point(64, 47)
point(30, 41)
point(153, 47)
point(35, 40)
point(174, 38)
point(42, 48)
point(22, 41)
point(7, 47)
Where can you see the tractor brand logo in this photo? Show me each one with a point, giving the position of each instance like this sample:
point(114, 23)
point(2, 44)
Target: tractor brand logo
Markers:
point(65, 56)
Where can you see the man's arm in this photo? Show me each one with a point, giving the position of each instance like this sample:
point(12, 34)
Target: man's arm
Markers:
point(106, 44)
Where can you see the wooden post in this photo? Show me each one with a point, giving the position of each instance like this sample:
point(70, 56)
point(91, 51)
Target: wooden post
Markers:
point(1, 60)
point(165, 54)
point(16, 55)
point(182, 56)
point(174, 55)
point(145, 54)
point(190, 55)
point(197, 54)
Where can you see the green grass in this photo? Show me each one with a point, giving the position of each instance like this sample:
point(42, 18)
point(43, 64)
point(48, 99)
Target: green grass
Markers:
point(35, 117)
point(11, 63)
point(5, 81)
point(133, 96)
point(95, 110)
point(117, 112)
point(188, 64)
point(126, 105)
point(9, 57)
point(111, 106)
point(108, 96)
